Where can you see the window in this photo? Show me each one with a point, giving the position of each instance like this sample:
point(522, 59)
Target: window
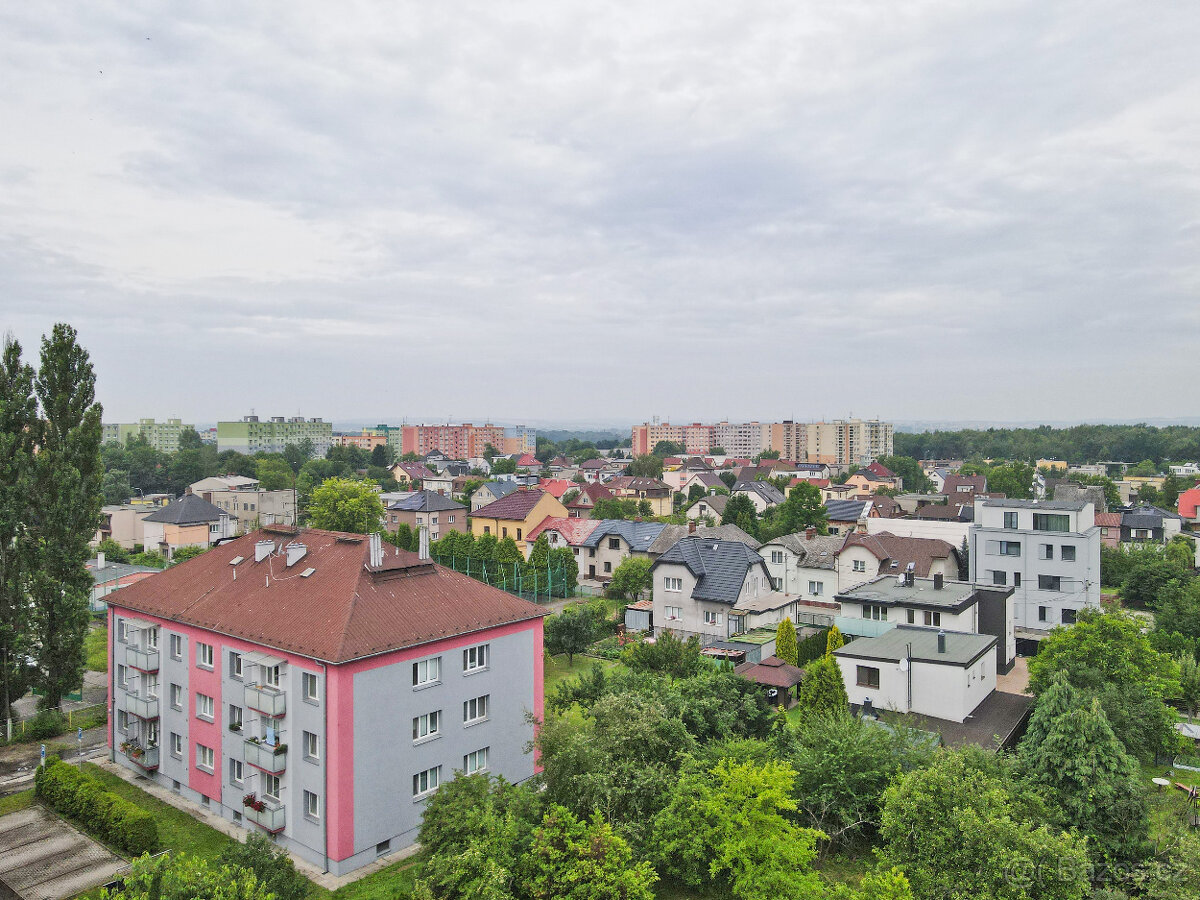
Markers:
point(383, 847)
point(868, 677)
point(910, 616)
point(1045, 551)
point(450, 520)
point(475, 658)
point(1010, 520)
point(1049, 583)
point(518, 534)
point(1051, 522)
point(475, 709)
point(487, 529)
point(236, 771)
point(177, 646)
point(614, 543)
point(672, 584)
point(122, 676)
point(503, 533)
point(1043, 613)
point(1010, 548)
point(270, 786)
point(427, 671)
point(999, 577)
point(426, 725)
point(122, 631)
point(176, 745)
point(776, 556)
point(308, 683)
point(176, 697)
point(427, 781)
point(1016, 579)
point(270, 676)
point(1067, 553)
point(312, 806)
point(122, 720)
point(205, 757)
point(816, 588)
point(204, 707)
point(933, 618)
point(872, 611)
point(777, 584)
point(235, 664)
point(1068, 617)
point(151, 638)
point(475, 762)
point(860, 565)
point(204, 655)
point(235, 718)
point(673, 612)
point(712, 618)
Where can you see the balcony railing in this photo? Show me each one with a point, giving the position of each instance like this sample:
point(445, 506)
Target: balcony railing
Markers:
point(271, 817)
point(145, 757)
point(269, 701)
point(142, 707)
point(862, 627)
point(142, 660)
point(269, 758)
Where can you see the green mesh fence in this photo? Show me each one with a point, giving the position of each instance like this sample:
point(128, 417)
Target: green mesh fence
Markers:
point(541, 585)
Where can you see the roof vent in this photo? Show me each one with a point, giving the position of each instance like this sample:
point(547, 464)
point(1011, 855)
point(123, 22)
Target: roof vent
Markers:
point(263, 549)
point(941, 642)
point(307, 572)
point(295, 552)
point(236, 560)
point(376, 550)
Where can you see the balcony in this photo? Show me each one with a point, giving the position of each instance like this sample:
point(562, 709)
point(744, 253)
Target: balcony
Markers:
point(269, 701)
point(272, 759)
point(142, 707)
point(271, 817)
point(142, 660)
point(145, 758)
point(868, 628)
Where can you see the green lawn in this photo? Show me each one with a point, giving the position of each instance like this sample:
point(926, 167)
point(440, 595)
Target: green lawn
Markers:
point(392, 883)
point(96, 647)
point(15, 802)
point(1168, 806)
point(177, 830)
point(557, 669)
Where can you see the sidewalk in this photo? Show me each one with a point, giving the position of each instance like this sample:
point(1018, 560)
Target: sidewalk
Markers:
point(327, 880)
point(18, 761)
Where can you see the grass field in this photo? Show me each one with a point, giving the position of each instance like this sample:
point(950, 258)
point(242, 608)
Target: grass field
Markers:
point(557, 669)
point(12, 803)
point(96, 647)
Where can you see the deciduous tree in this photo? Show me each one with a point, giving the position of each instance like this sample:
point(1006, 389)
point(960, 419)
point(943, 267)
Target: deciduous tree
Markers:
point(344, 504)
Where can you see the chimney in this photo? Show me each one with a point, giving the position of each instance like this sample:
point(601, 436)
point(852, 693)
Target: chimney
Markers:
point(941, 642)
point(375, 557)
point(938, 581)
point(423, 545)
point(295, 552)
point(692, 527)
point(809, 533)
point(263, 549)
point(100, 560)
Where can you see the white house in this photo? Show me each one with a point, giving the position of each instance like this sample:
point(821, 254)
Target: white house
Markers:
point(762, 494)
point(804, 563)
point(1047, 551)
point(866, 556)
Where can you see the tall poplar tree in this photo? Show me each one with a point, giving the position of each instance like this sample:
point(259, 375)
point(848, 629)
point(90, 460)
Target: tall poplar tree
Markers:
point(67, 499)
point(18, 424)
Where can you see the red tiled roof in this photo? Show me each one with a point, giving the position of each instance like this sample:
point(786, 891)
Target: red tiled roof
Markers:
point(772, 671)
point(516, 506)
point(342, 611)
point(819, 482)
point(644, 605)
point(902, 550)
point(1188, 501)
point(881, 470)
point(592, 492)
point(527, 460)
point(574, 531)
point(556, 487)
point(1113, 519)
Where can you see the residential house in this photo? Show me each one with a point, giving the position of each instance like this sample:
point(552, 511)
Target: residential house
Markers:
point(709, 480)
point(411, 474)
point(673, 534)
point(1149, 524)
point(589, 494)
point(556, 486)
point(952, 531)
point(1109, 524)
point(111, 576)
point(563, 533)
point(804, 563)
point(516, 515)
point(528, 463)
point(122, 523)
point(709, 507)
point(191, 521)
point(317, 687)
point(612, 542)
point(866, 483)
point(1074, 492)
point(1189, 505)
point(591, 469)
point(839, 492)
point(762, 494)
point(229, 482)
point(426, 509)
point(491, 491)
point(811, 471)
point(845, 516)
point(950, 465)
point(864, 557)
point(441, 482)
point(246, 501)
point(963, 488)
point(655, 492)
point(937, 478)
point(1048, 551)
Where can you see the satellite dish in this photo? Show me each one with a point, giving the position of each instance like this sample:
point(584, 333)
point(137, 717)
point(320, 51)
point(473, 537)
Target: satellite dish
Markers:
point(904, 665)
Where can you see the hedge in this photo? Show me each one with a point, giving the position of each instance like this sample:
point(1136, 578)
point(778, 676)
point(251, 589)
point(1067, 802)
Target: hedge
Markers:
point(112, 818)
point(812, 647)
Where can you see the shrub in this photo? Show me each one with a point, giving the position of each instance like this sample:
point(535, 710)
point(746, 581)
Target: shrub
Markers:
point(46, 724)
point(110, 817)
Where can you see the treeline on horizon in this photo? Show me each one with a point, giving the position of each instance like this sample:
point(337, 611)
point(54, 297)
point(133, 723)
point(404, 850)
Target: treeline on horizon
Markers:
point(1077, 444)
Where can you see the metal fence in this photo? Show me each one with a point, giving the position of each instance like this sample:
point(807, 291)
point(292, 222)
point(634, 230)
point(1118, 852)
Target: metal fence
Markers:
point(541, 585)
point(22, 726)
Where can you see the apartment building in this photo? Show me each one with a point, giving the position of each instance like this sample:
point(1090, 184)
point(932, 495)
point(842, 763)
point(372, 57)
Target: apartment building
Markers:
point(842, 442)
point(368, 440)
point(246, 502)
point(744, 440)
point(466, 440)
point(252, 435)
point(162, 436)
point(1047, 551)
point(318, 687)
point(849, 442)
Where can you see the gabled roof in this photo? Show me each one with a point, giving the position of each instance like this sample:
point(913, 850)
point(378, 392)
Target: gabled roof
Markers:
point(528, 461)
point(414, 470)
point(425, 501)
point(716, 502)
point(899, 551)
point(846, 510)
point(515, 506)
point(673, 534)
point(189, 509)
point(880, 470)
point(817, 552)
point(719, 567)
point(342, 611)
point(638, 535)
point(592, 492)
point(1108, 519)
point(1146, 516)
point(767, 491)
point(597, 463)
point(1188, 501)
point(574, 531)
point(707, 478)
point(637, 483)
point(977, 484)
point(556, 487)
point(499, 489)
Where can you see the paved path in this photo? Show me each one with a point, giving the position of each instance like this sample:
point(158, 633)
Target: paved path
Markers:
point(18, 762)
point(41, 856)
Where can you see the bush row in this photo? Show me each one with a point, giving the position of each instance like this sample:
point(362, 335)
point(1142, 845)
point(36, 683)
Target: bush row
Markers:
point(110, 817)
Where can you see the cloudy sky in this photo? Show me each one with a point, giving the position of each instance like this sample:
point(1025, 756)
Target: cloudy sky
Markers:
point(597, 213)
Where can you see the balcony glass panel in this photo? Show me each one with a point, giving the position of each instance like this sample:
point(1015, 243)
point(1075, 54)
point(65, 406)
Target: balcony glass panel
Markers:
point(266, 700)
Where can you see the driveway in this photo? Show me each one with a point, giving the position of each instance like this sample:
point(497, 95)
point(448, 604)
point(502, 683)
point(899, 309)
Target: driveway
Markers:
point(41, 856)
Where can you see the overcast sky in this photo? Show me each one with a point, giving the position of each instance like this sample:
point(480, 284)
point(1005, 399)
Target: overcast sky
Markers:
point(598, 213)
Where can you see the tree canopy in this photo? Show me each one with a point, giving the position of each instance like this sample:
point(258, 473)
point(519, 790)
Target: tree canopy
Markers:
point(344, 504)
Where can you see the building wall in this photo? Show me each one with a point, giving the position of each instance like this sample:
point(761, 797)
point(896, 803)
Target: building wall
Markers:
point(162, 436)
point(253, 435)
point(941, 691)
point(439, 523)
point(249, 508)
point(124, 525)
point(953, 533)
point(546, 506)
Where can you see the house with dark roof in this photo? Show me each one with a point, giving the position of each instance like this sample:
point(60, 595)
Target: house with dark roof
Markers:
point(1146, 524)
point(631, 487)
point(190, 521)
point(515, 515)
point(411, 473)
point(963, 488)
point(715, 589)
point(426, 509)
point(863, 557)
point(709, 507)
point(762, 494)
point(490, 491)
point(673, 534)
point(109, 576)
point(613, 541)
point(317, 687)
point(589, 494)
point(845, 516)
point(804, 563)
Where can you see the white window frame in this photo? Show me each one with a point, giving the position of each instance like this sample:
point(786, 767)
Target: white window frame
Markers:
point(860, 565)
point(712, 618)
point(237, 771)
point(176, 646)
point(672, 584)
point(271, 785)
point(673, 613)
point(427, 726)
point(176, 744)
point(236, 667)
point(480, 704)
point(816, 588)
point(206, 757)
point(312, 806)
point(475, 659)
point(426, 782)
point(427, 671)
point(204, 655)
point(476, 761)
point(307, 680)
point(271, 676)
point(312, 746)
point(205, 707)
point(176, 696)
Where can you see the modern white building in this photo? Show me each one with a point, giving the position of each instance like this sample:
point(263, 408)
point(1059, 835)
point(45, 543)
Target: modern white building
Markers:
point(1047, 551)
